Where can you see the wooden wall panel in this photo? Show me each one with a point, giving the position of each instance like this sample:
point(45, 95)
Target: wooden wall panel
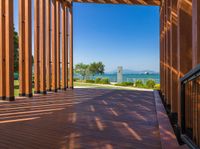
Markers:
point(2, 50)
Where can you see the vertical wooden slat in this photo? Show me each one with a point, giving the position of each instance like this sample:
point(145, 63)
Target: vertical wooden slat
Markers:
point(58, 42)
point(63, 46)
point(67, 46)
point(174, 64)
point(28, 48)
point(71, 85)
point(2, 50)
point(36, 47)
point(42, 47)
point(48, 51)
point(21, 48)
point(9, 47)
point(53, 46)
point(184, 42)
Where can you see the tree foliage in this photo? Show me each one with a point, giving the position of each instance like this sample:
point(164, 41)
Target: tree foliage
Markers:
point(96, 68)
point(16, 51)
point(91, 69)
point(81, 69)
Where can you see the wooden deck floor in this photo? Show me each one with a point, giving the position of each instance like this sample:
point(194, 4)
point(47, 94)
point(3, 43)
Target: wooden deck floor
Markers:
point(82, 118)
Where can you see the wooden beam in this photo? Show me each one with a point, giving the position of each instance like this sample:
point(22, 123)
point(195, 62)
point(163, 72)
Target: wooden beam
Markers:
point(48, 46)
point(54, 46)
point(58, 42)
point(174, 57)
point(2, 51)
point(196, 32)
point(21, 48)
point(9, 48)
point(36, 47)
point(28, 48)
point(71, 84)
point(64, 41)
point(184, 10)
point(42, 47)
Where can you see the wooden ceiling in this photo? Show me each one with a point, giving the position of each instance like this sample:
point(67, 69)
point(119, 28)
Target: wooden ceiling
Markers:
point(130, 2)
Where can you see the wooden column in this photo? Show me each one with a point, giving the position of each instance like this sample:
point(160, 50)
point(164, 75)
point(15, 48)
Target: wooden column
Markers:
point(64, 45)
point(54, 46)
point(2, 51)
point(9, 50)
point(25, 48)
point(42, 49)
point(58, 42)
point(71, 85)
point(36, 47)
point(174, 57)
point(48, 46)
point(196, 32)
point(184, 40)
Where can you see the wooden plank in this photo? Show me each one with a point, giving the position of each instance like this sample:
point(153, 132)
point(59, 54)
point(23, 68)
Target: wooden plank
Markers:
point(53, 46)
point(9, 47)
point(42, 49)
point(48, 50)
point(64, 46)
point(67, 46)
point(2, 50)
point(58, 42)
point(28, 48)
point(36, 47)
point(71, 84)
point(22, 48)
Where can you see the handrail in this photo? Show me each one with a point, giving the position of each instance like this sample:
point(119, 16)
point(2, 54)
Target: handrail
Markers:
point(190, 87)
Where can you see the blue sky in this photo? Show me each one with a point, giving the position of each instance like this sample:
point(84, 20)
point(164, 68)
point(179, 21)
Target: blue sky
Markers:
point(117, 35)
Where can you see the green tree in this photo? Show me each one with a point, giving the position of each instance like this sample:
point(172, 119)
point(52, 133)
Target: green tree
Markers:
point(16, 51)
point(96, 68)
point(81, 69)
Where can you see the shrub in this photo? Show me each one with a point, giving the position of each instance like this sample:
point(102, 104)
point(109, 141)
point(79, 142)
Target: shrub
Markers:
point(89, 81)
point(157, 86)
point(105, 81)
point(125, 84)
point(150, 83)
point(98, 80)
point(76, 79)
point(139, 83)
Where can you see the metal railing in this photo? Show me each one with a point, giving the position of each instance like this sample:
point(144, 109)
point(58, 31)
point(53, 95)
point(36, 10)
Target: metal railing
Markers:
point(190, 108)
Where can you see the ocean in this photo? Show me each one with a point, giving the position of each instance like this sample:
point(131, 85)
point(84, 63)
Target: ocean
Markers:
point(127, 77)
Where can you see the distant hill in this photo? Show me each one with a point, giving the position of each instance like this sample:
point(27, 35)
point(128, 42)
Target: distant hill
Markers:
point(128, 71)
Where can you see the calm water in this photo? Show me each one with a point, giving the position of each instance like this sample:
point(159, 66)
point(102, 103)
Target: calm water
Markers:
point(129, 77)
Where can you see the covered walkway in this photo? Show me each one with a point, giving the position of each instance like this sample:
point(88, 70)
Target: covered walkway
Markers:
point(84, 118)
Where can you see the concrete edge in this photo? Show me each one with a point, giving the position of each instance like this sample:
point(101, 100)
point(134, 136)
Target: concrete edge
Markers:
point(167, 136)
